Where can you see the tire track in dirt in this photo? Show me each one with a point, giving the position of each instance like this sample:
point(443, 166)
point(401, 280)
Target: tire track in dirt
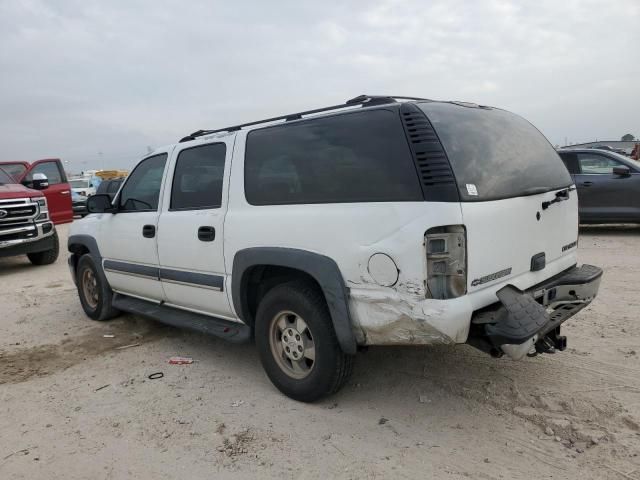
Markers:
point(41, 360)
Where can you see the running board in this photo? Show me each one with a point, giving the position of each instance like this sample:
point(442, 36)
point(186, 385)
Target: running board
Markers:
point(232, 331)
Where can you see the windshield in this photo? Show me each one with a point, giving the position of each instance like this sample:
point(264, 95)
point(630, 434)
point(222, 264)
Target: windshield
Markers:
point(15, 170)
point(5, 178)
point(79, 183)
point(495, 154)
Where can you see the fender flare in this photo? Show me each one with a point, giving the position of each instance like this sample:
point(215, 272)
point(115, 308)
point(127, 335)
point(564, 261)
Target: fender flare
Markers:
point(90, 244)
point(322, 269)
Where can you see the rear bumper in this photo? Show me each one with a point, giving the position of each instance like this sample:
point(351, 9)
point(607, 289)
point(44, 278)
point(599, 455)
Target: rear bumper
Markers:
point(527, 321)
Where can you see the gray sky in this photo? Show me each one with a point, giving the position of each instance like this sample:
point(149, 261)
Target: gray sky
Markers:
point(78, 77)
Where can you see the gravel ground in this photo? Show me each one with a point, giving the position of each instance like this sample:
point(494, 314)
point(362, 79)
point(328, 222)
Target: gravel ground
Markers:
point(74, 406)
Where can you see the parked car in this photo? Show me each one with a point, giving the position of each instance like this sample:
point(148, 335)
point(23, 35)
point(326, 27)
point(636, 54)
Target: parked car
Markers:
point(58, 193)
point(79, 204)
point(374, 222)
point(83, 186)
point(110, 187)
point(608, 185)
point(25, 226)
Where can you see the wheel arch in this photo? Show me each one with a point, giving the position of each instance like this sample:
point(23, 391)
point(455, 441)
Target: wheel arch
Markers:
point(286, 262)
point(79, 245)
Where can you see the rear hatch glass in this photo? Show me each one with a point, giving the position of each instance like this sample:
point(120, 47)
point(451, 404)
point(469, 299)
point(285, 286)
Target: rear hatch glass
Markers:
point(495, 154)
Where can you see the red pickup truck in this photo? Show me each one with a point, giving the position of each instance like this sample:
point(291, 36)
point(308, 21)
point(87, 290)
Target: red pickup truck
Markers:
point(25, 225)
point(58, 193)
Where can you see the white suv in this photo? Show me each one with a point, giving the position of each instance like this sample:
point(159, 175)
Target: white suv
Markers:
point(381, 221)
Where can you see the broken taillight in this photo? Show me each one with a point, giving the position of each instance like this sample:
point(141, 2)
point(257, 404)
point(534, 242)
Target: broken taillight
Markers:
point(446, 249)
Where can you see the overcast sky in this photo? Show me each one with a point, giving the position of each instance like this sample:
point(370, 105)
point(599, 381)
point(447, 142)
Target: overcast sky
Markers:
point(79, 77)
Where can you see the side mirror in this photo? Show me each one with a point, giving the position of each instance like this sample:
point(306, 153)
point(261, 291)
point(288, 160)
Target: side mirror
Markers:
point(40, 181)
point(100, 203)
point(622, 170)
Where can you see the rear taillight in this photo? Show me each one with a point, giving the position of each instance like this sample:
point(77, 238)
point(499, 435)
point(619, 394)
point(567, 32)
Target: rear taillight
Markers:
point(446, 262)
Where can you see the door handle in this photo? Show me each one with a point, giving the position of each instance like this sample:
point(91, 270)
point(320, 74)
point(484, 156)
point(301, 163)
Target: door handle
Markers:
point(64, 192)
point(206, 234)
point(149, 231)
point(587, 184)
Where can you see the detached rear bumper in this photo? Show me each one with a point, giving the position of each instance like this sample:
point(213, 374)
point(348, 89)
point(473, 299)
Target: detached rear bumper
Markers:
point(529, 321)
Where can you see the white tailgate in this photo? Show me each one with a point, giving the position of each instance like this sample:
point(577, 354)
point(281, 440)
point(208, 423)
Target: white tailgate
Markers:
point(505, 234)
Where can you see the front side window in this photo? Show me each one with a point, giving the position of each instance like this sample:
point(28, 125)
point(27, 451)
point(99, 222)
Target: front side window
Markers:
point(50, 169)
point(198, 178)
point(593, 163)
point(142, 190)
point(354, 157)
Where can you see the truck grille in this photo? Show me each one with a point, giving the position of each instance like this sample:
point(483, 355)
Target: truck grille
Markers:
point(17, 211)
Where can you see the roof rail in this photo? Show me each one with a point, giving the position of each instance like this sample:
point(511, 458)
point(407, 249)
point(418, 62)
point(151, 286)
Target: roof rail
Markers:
point(362, 100)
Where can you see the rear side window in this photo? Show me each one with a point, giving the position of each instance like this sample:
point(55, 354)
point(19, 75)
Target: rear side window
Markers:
point(197, 181)
point(571, 162)
point(354, 157)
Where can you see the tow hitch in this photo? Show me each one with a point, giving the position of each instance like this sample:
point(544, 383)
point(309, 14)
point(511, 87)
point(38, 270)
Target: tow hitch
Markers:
point(528, 323)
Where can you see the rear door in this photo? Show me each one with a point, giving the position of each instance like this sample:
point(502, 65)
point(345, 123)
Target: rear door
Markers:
point(605, 196)
point(190, 230)
point(59, 192)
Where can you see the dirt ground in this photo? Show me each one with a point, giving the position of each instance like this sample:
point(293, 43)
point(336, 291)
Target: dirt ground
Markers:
point(74, 406)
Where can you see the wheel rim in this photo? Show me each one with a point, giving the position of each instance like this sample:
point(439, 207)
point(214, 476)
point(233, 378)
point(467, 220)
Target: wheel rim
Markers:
point(292, 344)
point(90, 288)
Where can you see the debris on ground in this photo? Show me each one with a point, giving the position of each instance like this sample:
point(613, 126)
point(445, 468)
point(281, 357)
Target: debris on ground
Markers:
point(103, 386)
point(382, 421)
point(108, 336)
point(180, 360)
point(237, 403)
point(128, 346)
point(238, 444)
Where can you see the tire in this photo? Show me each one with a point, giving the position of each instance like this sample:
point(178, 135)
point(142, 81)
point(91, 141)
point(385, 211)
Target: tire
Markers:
point(48, 256)
point(95, 294)
point(278, 327)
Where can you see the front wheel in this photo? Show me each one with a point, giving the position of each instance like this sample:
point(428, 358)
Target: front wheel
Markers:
point(297, 343)
point(94, 292)
point(48, 256)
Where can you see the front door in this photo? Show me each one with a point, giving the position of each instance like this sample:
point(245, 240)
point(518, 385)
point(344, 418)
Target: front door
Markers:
point(190, 230)
point(59, 192)
point(603, 194)
point(128, 248)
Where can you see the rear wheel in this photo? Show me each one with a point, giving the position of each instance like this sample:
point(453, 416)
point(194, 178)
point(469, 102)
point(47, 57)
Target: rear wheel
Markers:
point(94, 292)
point(48, 256)
point(297, 344)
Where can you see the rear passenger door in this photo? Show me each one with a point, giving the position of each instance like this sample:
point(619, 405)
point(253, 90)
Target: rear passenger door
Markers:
point(190, 230)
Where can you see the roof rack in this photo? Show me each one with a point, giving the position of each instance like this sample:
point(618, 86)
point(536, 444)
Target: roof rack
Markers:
point(362, 100)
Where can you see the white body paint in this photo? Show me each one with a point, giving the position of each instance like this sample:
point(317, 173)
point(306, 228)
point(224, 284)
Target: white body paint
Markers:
point(500, 234)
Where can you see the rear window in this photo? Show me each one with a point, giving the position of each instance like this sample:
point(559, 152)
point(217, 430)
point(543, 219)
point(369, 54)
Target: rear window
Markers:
point(354, 157)
point(495, 154)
